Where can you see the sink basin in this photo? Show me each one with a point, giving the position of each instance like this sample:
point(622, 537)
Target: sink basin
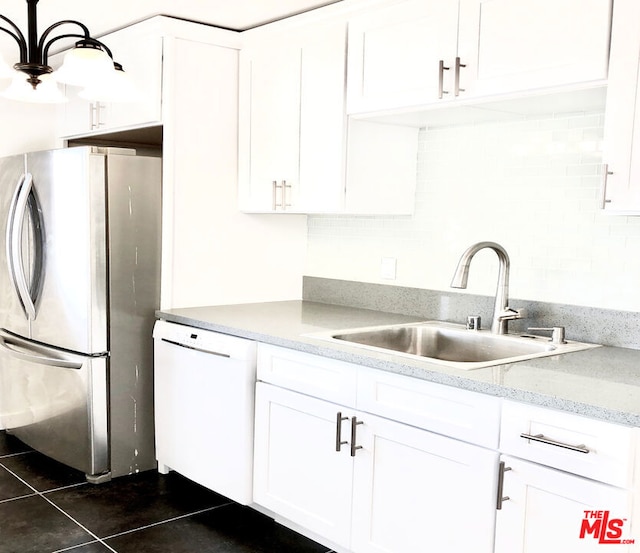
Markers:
point(451, 344)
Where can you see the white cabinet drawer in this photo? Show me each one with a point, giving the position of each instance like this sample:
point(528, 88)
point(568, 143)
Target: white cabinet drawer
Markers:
point(309, 374)
point(460, 414)
point(596, 449)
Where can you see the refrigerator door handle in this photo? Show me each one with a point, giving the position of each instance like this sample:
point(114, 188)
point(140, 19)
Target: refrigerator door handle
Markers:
point(39, 359)
point(9, 236)
point(14, 244)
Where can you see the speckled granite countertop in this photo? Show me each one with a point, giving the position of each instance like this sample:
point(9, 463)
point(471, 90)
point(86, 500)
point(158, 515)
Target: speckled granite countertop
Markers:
point(602, 383)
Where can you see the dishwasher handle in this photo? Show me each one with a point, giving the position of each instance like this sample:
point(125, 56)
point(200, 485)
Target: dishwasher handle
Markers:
point(200, 350)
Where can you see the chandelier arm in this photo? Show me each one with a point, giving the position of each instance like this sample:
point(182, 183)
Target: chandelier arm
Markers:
point(45, 50)
point(43, 45)
point(17, 36)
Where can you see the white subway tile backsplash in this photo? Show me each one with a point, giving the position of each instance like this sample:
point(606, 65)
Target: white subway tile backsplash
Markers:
point(532, 185)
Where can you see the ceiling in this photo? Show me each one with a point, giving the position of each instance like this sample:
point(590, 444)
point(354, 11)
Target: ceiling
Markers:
point(102, 17)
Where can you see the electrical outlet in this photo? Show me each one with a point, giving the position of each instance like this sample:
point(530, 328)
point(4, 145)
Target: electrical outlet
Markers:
point(388, 268)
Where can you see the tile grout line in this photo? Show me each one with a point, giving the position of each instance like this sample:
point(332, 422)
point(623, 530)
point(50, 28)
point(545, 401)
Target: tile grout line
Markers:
point(8, 455)
point(97, 538)
point(21, 479)
point(42, 495)
point(2, 501)
point(167, 520)
point(71, 548)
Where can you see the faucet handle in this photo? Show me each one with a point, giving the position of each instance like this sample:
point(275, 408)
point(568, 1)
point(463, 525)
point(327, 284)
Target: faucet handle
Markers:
point(510, 314)
point(557, 333)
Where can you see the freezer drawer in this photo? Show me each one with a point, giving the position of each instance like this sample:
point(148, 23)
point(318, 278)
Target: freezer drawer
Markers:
point(56, 402)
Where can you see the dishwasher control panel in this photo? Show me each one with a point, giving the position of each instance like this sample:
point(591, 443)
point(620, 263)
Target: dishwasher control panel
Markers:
point(204, 340)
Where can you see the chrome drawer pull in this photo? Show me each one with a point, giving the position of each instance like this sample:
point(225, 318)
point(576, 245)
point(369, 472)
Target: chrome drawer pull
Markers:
point(543, 439)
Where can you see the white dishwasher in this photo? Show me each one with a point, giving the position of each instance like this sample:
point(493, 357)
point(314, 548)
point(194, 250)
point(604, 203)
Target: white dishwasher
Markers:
point(204, 387)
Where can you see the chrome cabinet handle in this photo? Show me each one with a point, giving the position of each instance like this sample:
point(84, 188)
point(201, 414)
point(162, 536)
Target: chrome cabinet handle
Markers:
point(275, 194)
point(457, 90)
point(501, 498)
point(95, 118)
point(603, 192)
point(354, 423)
point(99, 121)
point(285, 203)
point(441, 70)
point(544, 440)
point(339, 441)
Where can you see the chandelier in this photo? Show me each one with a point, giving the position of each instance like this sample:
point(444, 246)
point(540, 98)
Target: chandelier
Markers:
point(89, 64)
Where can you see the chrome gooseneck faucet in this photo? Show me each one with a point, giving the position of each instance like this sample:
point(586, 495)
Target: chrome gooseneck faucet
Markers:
point(502, 313)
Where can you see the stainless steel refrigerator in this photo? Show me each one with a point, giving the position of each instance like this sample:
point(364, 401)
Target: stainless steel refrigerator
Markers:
point(79, 286)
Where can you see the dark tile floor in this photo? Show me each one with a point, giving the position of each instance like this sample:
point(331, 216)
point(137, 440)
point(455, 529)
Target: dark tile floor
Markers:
point(47, 507)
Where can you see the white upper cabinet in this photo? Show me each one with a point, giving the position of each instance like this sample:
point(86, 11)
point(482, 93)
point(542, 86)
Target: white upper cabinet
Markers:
point(513, 45)
point(621, 156)
point(413, 53)
point(292, 121)
point(399, 54)
point(298, 152)
point(139, 51)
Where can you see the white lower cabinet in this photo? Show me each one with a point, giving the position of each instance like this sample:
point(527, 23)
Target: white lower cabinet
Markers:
point(550, 511)
point(369, 461)
point(414, 491)
point(367, 483)
point(362, 482)
point(297, 472)
point(577, 496)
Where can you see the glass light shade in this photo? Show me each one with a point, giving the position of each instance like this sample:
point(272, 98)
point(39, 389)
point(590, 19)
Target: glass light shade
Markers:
point(47, 92)
point(115, 86)
point(83, 65)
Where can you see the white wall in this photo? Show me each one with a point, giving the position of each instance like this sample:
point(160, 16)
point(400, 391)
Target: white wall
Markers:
point(26, 127)
point(530, 185)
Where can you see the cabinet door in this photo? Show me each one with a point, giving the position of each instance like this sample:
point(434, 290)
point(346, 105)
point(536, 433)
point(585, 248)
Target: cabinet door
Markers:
point(297, 471)
point(622, 117)
point(395, 53)
point(269, 125)
point(512, 45)
point(322, 120)
point(543, 511)
point(292, 122)
point(418, 491)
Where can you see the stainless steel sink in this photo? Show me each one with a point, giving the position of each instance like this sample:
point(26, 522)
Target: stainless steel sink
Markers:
point(451, 344)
